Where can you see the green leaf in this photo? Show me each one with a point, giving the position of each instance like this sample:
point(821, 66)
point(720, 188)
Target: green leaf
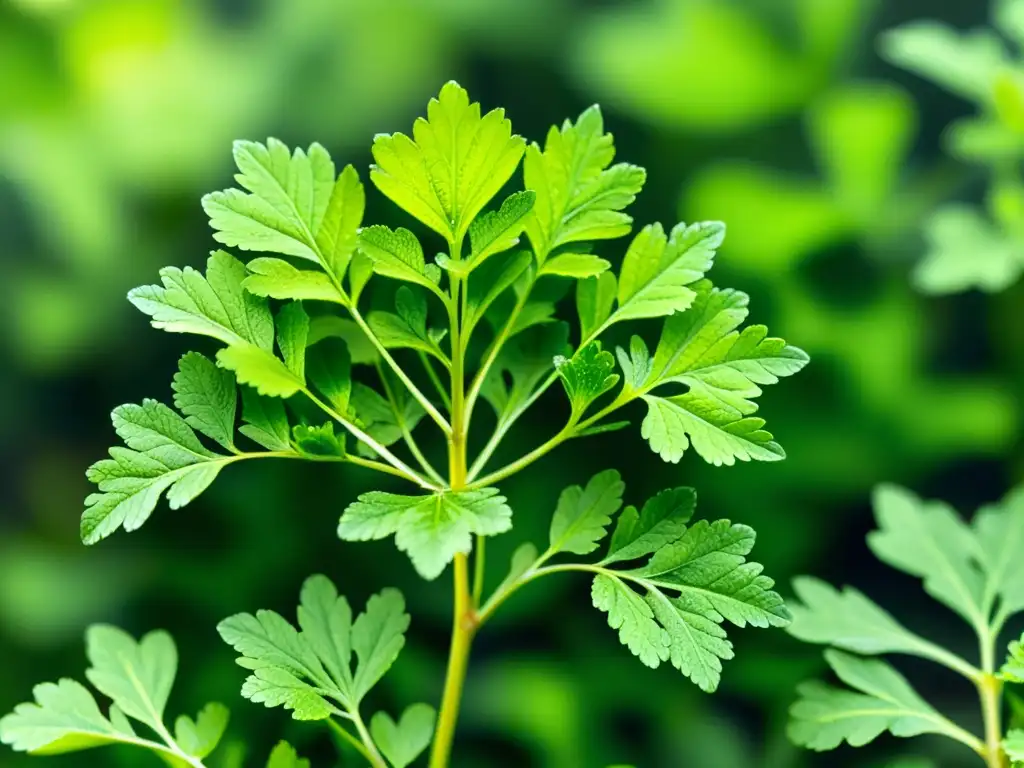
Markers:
point(260, 369)
point(163, 455)
point(703, 349)
point(398, 254)
point(408, 328)
point(319, 441)
point(849, 620)
point(360, 348)
point(497, 231)
point(379, 419)
point(999, 529)
point(719, 435)
point(330, 370)
point(883, 700)
point(305, 671)
point(967, 251)
point(208, 398)
point(525, 359)
point(1014, 744)
point(201, 736)
point(295, 205)
point(453, 165)
point(929, 540)
point(285, 756)
point(595, 298)
point(1013, 669)
point(587, 375)
point(138, 676)
point(215, 305)
point(582, 515)
point(266, 420)
point(292, 333)
point(656, 272)
point(430, 529)
point(576, 265)
point(64, 718)
point(671, 608)
point(964, 63)
point(637, 365)
point(579, 198)
point(403, 743)
point(491, 281)
point(278, 279)
point(662, 521)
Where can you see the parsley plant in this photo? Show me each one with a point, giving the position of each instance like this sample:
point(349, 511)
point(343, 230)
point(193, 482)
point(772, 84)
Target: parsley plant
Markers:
point(976, 571)
point(323, 380)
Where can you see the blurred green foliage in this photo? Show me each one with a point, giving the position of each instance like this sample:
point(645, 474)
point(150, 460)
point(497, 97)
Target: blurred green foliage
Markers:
point(776, 116)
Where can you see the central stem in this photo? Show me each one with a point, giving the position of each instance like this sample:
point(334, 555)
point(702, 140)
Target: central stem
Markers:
point(464, 621)
point(990, 690)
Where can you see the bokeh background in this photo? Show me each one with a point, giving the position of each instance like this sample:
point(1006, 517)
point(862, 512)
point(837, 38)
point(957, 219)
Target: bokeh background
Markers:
point(777, 116)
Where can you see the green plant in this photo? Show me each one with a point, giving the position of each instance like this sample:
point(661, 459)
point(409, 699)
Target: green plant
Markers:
point(969, 247)
point(667, 585)
point(976, 571)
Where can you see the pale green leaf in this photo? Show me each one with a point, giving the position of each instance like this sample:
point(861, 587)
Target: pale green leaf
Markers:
point(1013, 670)
point(999, 529)
point(824, 717)
point(497, 231)
point(455, 162)
point(207, 396)
point(63, 718)
point(595, 298)
point(964, 63)
point(656, 271)
point(212, 305)
point(929, 540)
point(849, 620)
point(285, 756)
point(583, 514)
point(967, 251)
point(403, 742)
point(430, 529)
point(382, 422)
point(587, 375)
point(278, 279)
point(136, 675)
point(719, 435)
point(305, 671)
point(1014, 744)
point(576, 265)
point(637, 365)
point(338, 233)
point(378, 636)
point(579, 198)
point(260, 369)
point(408, 328)
point(491, 281)
point(201, 736)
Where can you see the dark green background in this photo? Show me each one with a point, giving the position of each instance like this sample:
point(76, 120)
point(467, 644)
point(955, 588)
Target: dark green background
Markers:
point(115, 117)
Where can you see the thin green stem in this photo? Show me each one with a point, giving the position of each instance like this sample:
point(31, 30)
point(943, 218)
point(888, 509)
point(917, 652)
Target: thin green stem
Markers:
point(410, 441)
point(990, 689)
point(342, 732)
point(374, 755)
point(479, 568)
point(522, 462)
point(428, 406)
point(436, 380)
point(402, 469)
